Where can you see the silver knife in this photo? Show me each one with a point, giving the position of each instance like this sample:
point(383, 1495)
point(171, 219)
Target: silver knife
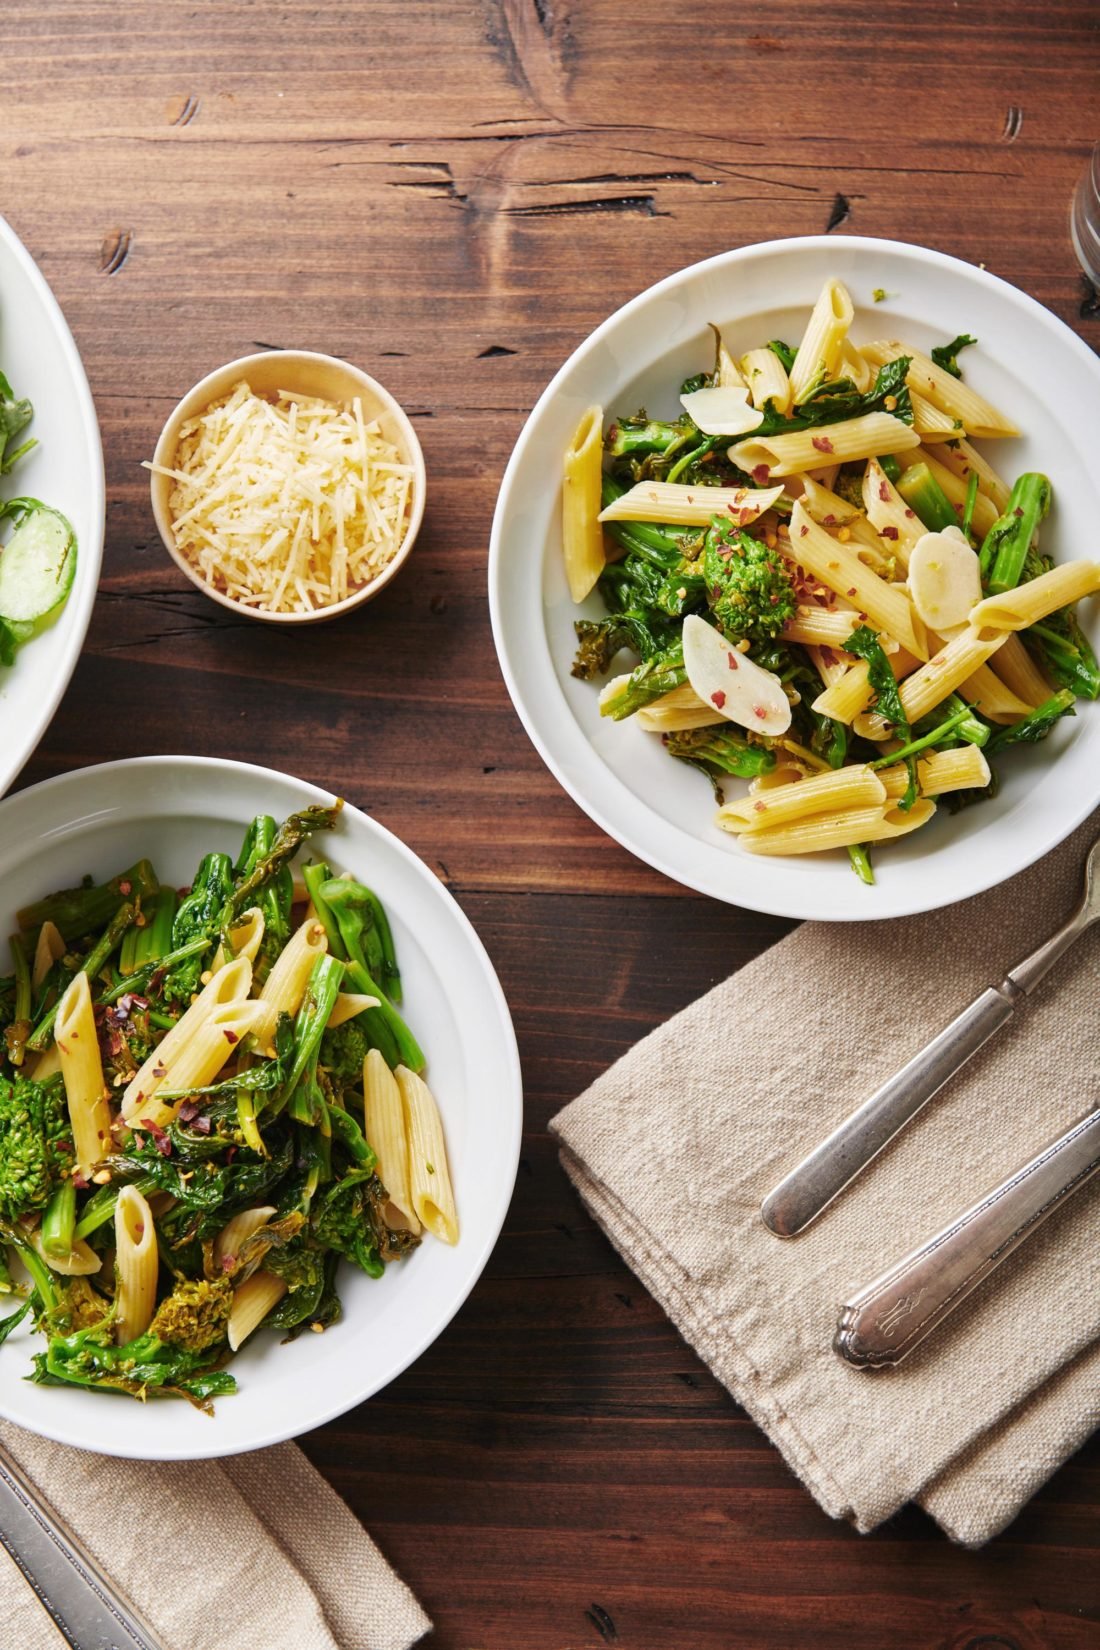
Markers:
point(822, 1175)
point(87, 1608)
point(884, 1322)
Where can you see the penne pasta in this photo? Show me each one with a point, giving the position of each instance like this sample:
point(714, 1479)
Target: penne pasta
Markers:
point(897, 526)
point(991, 696)
point(838, 567)
point(671, 502)
point(215, 1042)
point(767, 380)
point(429, 1175)
point(348, 1006)
point(230, 982)
point(1035, 600)
point(1015, 667)
point(679, 708)
point(49, 948)
point(785, 455)
point(930, 420)
point(582, 538)
point(852, 365)
point(386, 1132)
point(252, 1301)
point(238, 1229)
point(840, 830)
point(285, 986)
point(727, 372)
point(976, 415)
point(136, 1263)
point(844, 788)
point(958, 456)
point(819, 351)
point(963, 769)
point(945, 671)
point(821, 626)
point(82, 1069)
point(829, 510)
point(80, 1262)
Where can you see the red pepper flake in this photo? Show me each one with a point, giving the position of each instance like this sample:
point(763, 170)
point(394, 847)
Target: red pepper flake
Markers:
point(230, 1036)
point(228, 1262)
point(79, 1181)
point(828, 521)
point(758, 710)
point(822, 443)
point(802, 531)
point(125, 887)
point(759, 807)
point(160, 1071)
point(188, 1112)
point(201, 1125)
point(718, 699)
point(1017, 511)
point(884, 491)
point(910, 513)
point(160, 1139)
point(828, 656)
point(732, 660)
point(761, 475)
point(746, 515)
point(852, 591)
point(889, 533)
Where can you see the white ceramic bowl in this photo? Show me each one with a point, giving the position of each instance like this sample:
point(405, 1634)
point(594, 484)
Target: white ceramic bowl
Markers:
point(1027, 362)
point(173, 809)
point(303, 373)
point(41, 362)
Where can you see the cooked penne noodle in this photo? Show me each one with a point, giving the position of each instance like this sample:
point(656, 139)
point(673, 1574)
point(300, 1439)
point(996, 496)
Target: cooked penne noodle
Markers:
point(944, 672)
point(974, 413)
point(137, 1265)
point(80, 1262)
point(838, 566)
point(672, 502)
point(830, 666)
point(985, 511)
point(429, 1175)
point(1035, 600)
point(50, 947)
point(930, 420)
point(582, 538)
point(215, 1042)
point(785, 455)
point(348, 1005)
point(766, 377)
point(229, 983)
point(844, 699)
point(819, 350)
point(821, 626)
point(679, 708)
point(897, 526)
point(852, 365)
point(244, 939)
point(840, 830)
point(844, 788)
point(238, 1229)
point(384, 1127)
point(252, 1301)
point(285, 986)
point(963, 769)
point(82, 1069)
point(992, 696)
point(728, 373)
point(829, 510)
point(1019, 672)
point(962, 459)
point(46, 1064)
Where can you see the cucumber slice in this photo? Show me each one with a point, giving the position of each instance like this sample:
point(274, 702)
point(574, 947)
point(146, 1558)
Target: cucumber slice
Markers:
point(38, 563)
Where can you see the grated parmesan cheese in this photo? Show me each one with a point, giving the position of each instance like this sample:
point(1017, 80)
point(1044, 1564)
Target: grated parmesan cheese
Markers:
point(290, 505)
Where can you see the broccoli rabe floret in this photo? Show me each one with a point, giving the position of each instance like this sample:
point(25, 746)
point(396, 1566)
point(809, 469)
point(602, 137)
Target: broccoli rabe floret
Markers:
point(36, 1143)
point(748, 586)
point(194, 1316)
point(343, 1050)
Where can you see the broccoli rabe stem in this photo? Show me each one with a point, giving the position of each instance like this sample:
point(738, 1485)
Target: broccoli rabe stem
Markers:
point(40, 1275)
point(1005, 547)
point(860, 855)
point(141, 976)
point(59, 1220)
point(1066, 653)
point(384, 1025)
point(288, 839)
point(658, 544)
point(971, 501)
point(77, 911)
point(322, 990)
point(945, 731)
point(650, 681)
point(654, 436)
point(42, 1034)
point(16, 1034)
point(923, 493)
point(1036, 724)
point(971, 729)
point(100, 1207)
point(153, 939)
point(347, 1131)
point(315, 876)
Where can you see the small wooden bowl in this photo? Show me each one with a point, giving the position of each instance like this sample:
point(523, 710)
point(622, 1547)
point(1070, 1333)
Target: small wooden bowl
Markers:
point(303, 373)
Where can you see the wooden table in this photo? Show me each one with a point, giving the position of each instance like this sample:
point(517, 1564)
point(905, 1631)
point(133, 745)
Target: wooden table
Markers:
point(453, 196)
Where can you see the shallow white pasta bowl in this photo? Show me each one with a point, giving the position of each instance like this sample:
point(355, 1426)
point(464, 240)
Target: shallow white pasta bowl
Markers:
point(1026, 362)
point(41, 361)
point(173, 809)
point(305, 373)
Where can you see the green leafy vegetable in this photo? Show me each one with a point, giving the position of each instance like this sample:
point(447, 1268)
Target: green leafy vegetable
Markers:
point(864, 643)
point(944, 355)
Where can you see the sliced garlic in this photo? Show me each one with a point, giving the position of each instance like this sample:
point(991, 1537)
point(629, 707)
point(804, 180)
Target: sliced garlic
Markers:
point(723, 409)
point(738, 689)
point(944, 578)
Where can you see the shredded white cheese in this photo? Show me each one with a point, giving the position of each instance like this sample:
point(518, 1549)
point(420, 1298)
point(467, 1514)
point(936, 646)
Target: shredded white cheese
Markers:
point(290, 505)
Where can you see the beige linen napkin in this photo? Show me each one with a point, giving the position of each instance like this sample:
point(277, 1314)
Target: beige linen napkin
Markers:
point(673, 1148)
point(254, 1550)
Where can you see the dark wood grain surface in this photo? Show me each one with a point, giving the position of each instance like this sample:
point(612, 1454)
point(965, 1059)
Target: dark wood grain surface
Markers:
point(452, 195)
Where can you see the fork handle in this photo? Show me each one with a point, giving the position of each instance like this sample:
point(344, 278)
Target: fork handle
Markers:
point(801, 1195)
point(884, 1322)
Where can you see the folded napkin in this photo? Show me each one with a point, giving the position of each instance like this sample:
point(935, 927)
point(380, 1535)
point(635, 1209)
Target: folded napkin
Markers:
point(674, 1147)
point(254, 1550)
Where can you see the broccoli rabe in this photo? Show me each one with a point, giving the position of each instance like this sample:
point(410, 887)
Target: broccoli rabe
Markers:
point(343, 1050)
point(36, 1143)
point(195, 1315)
point(748, 585)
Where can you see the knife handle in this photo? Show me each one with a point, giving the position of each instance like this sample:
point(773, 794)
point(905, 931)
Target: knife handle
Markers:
point(884, 1322)
point(801, 1195)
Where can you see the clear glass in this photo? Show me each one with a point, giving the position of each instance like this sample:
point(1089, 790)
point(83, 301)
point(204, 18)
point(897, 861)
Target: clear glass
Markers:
point(1084, 220)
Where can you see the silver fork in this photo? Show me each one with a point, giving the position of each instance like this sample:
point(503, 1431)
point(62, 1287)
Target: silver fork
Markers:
point(821, 1176)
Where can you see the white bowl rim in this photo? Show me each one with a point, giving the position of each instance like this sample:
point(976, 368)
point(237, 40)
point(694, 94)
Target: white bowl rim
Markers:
point(679, 873)
point(500, 1198)
point(204, 391)
point(77, 617)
